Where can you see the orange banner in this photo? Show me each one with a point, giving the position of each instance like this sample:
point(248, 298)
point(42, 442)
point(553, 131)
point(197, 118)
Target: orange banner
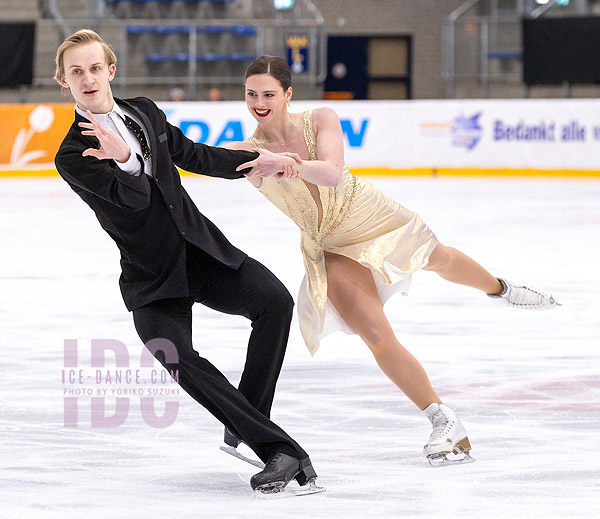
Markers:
point(30, 135)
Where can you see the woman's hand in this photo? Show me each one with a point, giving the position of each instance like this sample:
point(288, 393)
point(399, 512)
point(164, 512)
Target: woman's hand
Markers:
point(269, 164)
point(290, 171)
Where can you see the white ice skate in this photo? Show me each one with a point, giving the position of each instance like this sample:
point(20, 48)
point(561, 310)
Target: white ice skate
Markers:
point(448, 443)
point(525, 297)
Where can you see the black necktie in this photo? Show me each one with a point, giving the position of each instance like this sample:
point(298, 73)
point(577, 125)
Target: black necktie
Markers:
point(139, 133)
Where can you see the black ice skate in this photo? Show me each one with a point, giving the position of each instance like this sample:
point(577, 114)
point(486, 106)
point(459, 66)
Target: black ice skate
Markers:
point(231, 444)
point(231, 439)
point(280, 470)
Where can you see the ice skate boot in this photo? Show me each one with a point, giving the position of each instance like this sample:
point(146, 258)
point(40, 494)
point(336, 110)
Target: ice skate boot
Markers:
point(448, 443)
point(280, 470)
point(525, 297)
point(230, 438)
point(232, 441)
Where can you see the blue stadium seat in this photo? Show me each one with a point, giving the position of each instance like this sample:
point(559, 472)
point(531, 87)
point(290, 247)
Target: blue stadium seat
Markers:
point(183, 57)
point(235, 56)
point(238, 30)
point(242, 56)
point(244, 30)
point(158, 29)
point(165, 30)
point(138, 30)
point(212, 29)
point(211, 56)
point(158, 57)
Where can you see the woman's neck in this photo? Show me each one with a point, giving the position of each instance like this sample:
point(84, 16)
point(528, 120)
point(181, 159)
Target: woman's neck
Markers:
point(277, 133)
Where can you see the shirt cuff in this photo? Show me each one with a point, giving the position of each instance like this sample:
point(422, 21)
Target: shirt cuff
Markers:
point(132, 166)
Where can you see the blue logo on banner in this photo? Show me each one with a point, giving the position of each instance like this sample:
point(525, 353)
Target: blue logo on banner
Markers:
point(355, 138)
point(201, 131)
point(466, 132)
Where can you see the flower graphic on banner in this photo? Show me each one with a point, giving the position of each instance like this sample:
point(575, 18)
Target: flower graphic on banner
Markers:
point(466, 132)
point(40, 120)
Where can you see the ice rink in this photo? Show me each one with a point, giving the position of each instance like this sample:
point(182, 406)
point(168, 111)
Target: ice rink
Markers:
point(526, 385)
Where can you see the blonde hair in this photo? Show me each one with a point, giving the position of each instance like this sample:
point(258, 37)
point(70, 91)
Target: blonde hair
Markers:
point(81, 37)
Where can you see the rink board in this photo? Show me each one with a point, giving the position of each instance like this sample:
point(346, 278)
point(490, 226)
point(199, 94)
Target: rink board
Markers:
point(434, 137)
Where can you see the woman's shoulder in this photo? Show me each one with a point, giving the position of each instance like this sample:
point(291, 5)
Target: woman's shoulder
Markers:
point(324, 111)
point(324, 116)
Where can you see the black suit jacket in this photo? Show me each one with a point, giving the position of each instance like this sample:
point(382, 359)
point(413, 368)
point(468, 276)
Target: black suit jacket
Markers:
point(151, 219)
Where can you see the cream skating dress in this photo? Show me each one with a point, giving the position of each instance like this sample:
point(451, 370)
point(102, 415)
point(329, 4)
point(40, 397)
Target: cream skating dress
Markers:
point(359, 222)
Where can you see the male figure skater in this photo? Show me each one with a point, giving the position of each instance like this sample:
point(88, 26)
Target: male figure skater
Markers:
point(120, 157)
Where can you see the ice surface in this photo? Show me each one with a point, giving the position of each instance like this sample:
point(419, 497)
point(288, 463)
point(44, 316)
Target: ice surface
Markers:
point(525, 384)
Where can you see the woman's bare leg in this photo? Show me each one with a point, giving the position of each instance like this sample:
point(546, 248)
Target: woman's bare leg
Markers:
point(352, 291)
point(454, 266)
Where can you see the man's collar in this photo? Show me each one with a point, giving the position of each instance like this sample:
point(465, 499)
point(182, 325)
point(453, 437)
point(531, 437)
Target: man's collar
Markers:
point(116, 108)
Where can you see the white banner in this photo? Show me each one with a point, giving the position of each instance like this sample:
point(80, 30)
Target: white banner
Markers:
point(472, 134)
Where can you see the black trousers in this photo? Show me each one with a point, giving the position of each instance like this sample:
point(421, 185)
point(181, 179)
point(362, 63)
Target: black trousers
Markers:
point(253, 292)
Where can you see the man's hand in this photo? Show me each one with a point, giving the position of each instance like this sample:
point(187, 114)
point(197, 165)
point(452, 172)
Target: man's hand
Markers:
point(269, 164)
point(112, 145)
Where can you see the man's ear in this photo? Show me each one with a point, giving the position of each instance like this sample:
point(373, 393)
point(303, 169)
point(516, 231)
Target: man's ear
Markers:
point(112, 70)
point(62, 82)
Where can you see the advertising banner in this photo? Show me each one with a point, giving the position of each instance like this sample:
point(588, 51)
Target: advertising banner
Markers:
point(518, 137)
point(471, 136)
point(30, 135)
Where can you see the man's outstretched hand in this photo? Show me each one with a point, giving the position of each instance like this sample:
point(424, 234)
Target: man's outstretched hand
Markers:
point(112, 145)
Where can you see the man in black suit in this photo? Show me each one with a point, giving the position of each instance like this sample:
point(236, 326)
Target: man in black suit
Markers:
point(120, 157)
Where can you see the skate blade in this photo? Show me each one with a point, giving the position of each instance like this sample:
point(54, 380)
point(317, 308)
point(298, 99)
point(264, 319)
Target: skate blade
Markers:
point(311, 488)
point(443, 460)
point(459, 455)
point(236, 454)
point(274, 487)
point(280, 488)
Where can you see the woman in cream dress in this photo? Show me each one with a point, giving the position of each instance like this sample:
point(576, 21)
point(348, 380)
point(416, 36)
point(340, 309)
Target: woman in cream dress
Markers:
point(359, 247)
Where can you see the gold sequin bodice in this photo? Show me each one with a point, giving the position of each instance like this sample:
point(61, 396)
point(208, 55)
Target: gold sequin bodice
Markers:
point(359, 222)
point(293, 197)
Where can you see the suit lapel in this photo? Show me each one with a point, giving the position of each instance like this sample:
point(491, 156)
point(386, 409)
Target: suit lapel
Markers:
point(149, 129)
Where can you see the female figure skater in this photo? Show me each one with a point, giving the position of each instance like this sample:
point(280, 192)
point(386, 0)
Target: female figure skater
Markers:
point(358, 245)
